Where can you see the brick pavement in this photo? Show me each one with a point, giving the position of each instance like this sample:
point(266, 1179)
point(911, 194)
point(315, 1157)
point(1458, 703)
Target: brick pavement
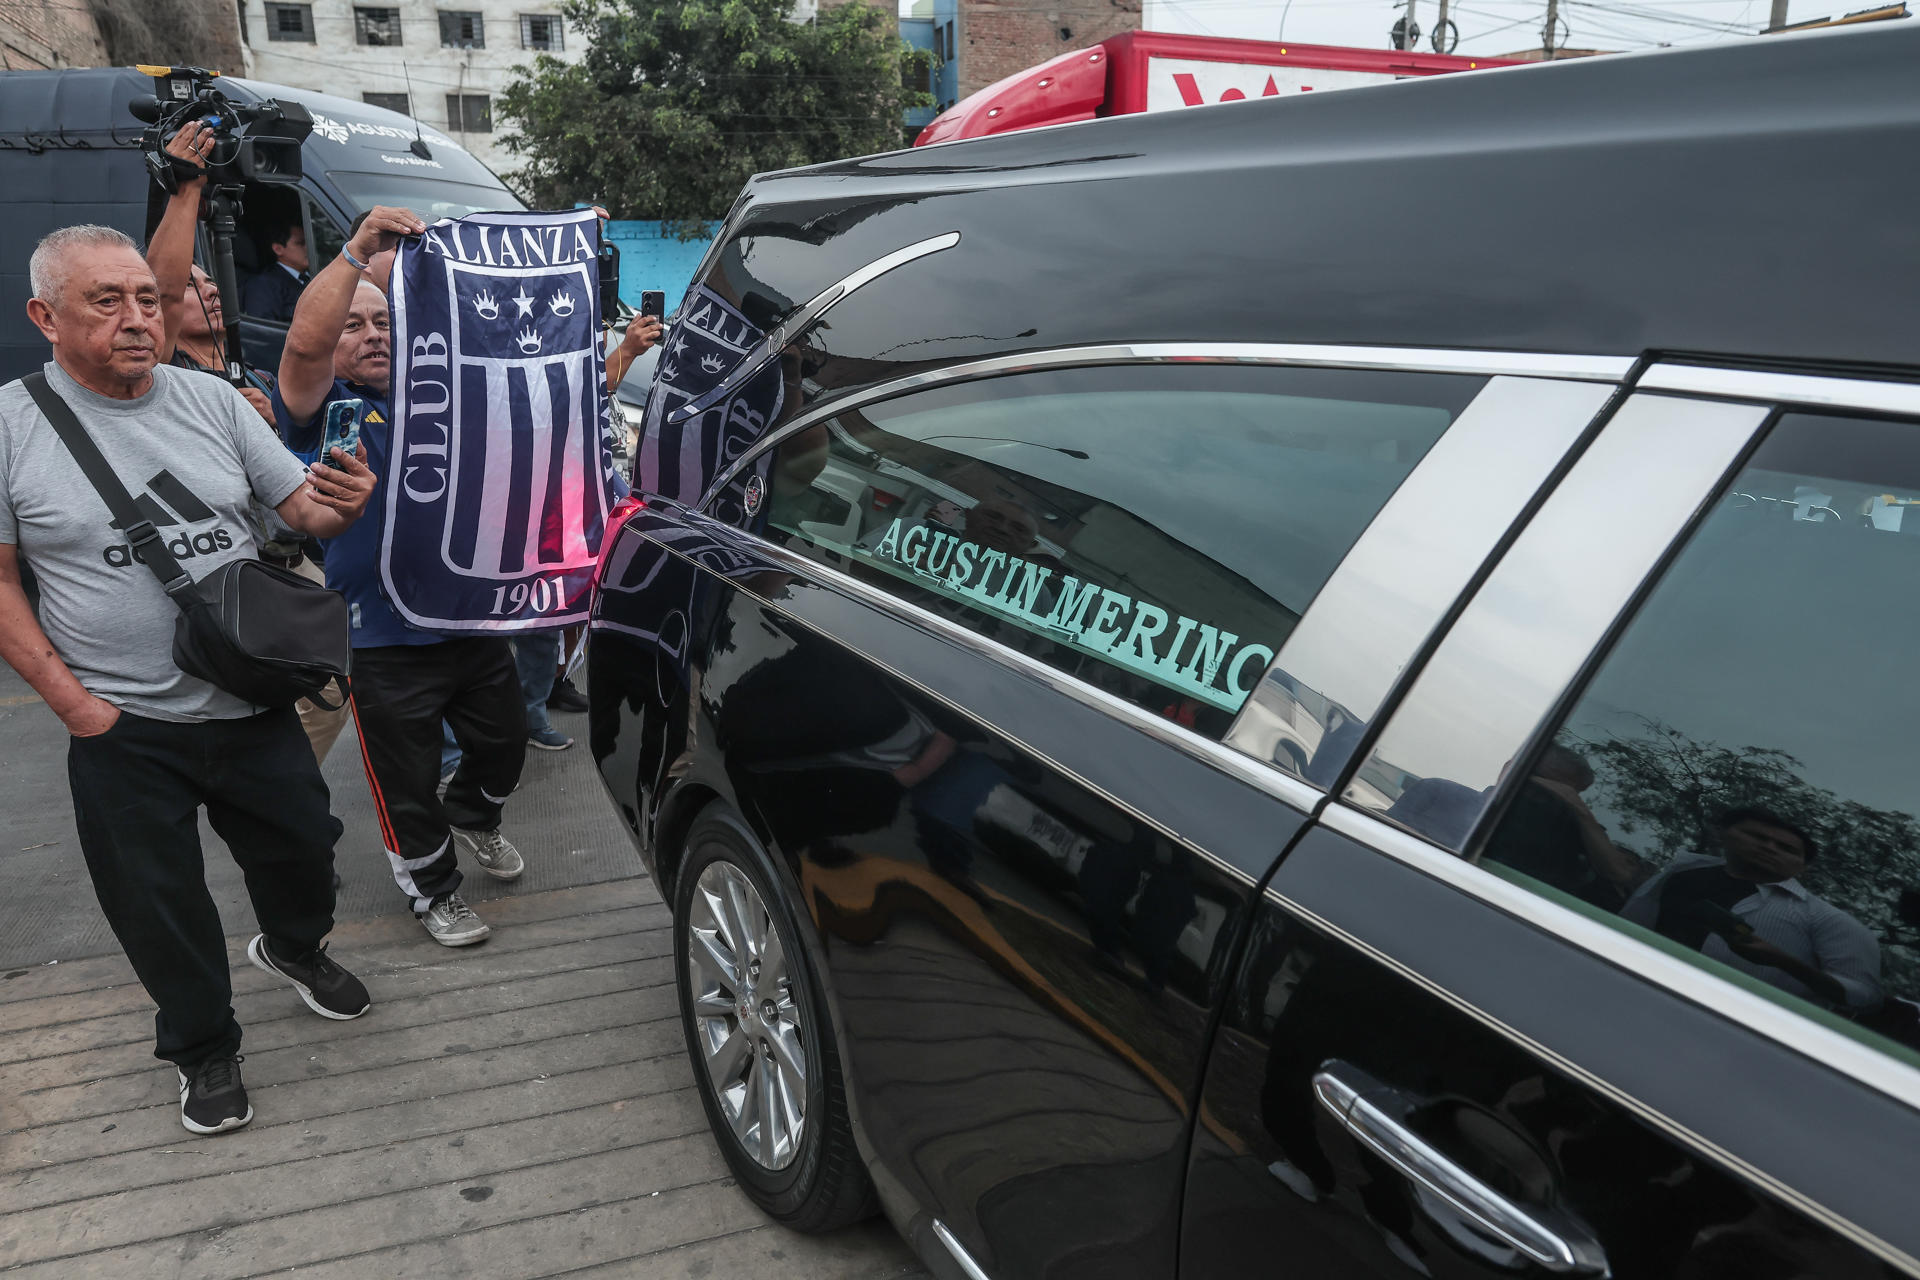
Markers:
point(520, 1109)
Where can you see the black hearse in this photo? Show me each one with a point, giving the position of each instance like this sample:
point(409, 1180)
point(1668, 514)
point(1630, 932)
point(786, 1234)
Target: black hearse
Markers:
point(70, 152)
point(1321, 687)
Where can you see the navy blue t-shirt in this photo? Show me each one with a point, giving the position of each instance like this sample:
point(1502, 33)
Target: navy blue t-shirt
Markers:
point(353, 558)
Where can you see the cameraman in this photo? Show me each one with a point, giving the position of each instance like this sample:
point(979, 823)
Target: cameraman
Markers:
point(195, 339)
point(151, 745)
point(405, 682)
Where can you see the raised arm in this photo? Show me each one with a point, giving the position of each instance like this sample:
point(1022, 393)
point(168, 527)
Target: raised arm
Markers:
point(641, 335)
point(170, 252)
point(306, 363)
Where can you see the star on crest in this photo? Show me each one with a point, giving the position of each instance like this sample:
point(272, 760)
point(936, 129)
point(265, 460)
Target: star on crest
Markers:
point(524, 301)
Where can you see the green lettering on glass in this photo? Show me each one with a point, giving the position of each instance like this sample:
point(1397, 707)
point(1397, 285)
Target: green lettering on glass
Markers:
point(1112, 605)
point(965, 570)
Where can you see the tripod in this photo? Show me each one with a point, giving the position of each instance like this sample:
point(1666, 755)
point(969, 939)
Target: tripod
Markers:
point(223, 213)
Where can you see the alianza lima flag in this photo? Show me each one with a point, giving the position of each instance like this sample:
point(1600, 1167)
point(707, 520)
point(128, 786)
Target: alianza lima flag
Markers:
point(500, 478)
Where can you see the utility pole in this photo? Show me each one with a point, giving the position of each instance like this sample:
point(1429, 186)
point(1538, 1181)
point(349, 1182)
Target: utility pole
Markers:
point(1440, 27)
point(1553, 23)
point(1779, 18)
point(1408, 44)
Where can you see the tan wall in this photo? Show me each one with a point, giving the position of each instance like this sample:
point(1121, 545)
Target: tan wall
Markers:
point(998, 39)
point(42, 35)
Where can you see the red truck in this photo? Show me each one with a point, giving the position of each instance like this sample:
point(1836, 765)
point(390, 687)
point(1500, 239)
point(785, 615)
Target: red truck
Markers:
point(1156, 71)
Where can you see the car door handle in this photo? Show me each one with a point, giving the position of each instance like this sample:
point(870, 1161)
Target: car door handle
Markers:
point(1372, 1112)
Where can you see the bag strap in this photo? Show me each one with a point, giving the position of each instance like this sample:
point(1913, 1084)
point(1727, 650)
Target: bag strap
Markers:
point(144, 538)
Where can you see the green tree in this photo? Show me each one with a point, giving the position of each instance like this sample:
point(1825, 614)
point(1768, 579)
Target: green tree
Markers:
point(1660, 793)
point(677, 104)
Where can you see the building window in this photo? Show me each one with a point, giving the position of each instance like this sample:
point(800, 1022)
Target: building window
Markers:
point(540, 31)
point(462, 29)
point(290, 22)
point(390, 101)
point(470, 112)
point(376, 26)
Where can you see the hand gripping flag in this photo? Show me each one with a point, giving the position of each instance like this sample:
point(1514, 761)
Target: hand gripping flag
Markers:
point(501, 479)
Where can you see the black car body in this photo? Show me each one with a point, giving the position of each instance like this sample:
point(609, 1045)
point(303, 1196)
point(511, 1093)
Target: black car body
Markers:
point(1314, 688)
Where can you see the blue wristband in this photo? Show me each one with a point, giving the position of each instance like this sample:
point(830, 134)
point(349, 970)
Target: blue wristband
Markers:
point(352, 261)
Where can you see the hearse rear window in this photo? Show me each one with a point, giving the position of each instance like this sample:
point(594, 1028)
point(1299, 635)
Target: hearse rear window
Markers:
point(1155, 531)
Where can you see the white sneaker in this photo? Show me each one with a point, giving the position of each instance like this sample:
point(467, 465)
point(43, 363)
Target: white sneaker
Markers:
point(451, 922)
point(490, 849)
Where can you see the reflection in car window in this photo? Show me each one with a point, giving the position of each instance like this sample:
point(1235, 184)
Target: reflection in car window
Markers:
point(1740, 783)
point(1154, 531)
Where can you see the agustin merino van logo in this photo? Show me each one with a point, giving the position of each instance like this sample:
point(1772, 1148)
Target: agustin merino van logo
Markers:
point(167, 503)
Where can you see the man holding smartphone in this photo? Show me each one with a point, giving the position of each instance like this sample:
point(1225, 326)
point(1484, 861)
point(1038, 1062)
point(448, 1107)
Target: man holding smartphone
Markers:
point(405, 682)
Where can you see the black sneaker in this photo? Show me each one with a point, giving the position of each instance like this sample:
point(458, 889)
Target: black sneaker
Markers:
point(212, 1099)
point(565, 697)
point(329, 990)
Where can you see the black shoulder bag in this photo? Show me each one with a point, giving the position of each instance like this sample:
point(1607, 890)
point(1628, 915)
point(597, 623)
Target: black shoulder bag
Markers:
point(264, 634)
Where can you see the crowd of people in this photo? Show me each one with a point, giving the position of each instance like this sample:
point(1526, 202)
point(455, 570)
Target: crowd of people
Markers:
point(443, 722)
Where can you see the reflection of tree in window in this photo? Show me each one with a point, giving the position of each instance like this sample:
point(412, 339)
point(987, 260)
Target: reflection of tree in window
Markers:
point(1771, 673)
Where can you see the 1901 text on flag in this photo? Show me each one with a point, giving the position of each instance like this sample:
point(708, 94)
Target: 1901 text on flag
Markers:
point(501, 477)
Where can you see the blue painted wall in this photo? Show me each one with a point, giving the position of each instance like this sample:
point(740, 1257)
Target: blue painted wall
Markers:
point(946, 78)
point(649, 260)
point(918, 32)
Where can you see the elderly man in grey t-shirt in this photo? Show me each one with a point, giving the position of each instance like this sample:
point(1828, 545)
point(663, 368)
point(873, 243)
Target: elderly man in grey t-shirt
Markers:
point(150, 744)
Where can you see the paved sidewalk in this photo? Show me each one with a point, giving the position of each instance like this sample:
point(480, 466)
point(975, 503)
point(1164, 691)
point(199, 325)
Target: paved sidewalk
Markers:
point(523, 1108)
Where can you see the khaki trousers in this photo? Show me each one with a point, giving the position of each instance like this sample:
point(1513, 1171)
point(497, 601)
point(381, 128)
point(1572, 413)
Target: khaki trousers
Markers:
point(322, 726)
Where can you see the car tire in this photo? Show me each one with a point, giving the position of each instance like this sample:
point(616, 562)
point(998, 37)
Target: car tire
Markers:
point(745, 1038)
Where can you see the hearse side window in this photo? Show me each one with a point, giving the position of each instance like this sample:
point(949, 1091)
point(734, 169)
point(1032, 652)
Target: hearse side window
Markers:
point(1153, 530)
point(1739, 784)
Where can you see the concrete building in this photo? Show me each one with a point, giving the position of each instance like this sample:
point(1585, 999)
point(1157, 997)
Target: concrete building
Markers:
point(459, 53)
point(45, 35)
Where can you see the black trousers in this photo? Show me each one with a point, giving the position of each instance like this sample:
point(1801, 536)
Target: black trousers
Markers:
point(137, 790)
point(401, 693)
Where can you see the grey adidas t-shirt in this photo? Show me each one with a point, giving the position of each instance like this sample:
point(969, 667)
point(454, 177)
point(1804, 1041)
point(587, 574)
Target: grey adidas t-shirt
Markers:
point(193, 453)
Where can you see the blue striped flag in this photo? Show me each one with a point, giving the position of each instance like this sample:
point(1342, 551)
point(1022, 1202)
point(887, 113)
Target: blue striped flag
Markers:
point(500, 479)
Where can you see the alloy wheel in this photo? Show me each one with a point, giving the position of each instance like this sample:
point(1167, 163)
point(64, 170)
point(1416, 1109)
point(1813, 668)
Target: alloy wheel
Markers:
point(747, 1023)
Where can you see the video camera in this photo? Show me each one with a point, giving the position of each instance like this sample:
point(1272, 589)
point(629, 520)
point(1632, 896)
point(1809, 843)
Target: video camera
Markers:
point(254, 141)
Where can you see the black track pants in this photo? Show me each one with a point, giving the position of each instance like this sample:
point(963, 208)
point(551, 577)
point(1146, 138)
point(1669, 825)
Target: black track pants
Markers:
point(137, 789)
point(401, 693)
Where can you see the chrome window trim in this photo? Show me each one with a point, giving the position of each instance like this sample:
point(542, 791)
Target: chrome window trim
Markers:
point(1478, 464)
point(1809, 390)
point(973, 1270)
point(1403, 359)
point(1241, 768)
point(772, 344)
point(1235, 763)
point(1431, 860)
point(1804, 1036)
point(1524, 623)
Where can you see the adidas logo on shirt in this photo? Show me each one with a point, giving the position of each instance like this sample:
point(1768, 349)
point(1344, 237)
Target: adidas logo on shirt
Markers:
point(169, 503)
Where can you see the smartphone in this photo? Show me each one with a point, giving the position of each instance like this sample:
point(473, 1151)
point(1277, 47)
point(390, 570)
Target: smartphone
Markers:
point(343, 429)
point(609, 282)
point(654, 303)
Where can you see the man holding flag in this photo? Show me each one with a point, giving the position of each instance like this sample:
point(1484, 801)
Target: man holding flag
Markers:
point(405, 681)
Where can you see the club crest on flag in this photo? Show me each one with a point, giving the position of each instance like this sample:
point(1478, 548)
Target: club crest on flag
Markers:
point(680, 458)
point(501, 478)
